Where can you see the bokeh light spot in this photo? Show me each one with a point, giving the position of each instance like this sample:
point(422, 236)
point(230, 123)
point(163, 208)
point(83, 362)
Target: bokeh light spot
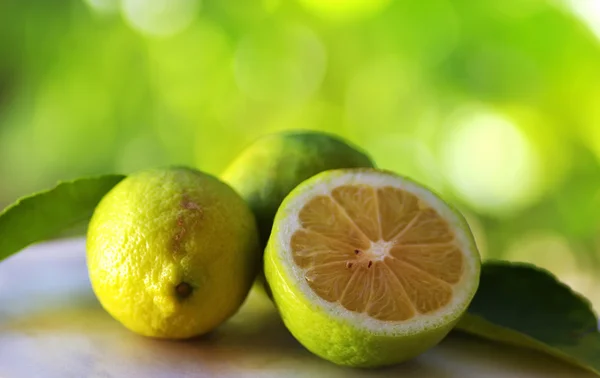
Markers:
point(161, 18)
point(345, 10)
point(281, 64)
point(104, 6)
point(490, 163)
point(588, 11)
point(190, 70)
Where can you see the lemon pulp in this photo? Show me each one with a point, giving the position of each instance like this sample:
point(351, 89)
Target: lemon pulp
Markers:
point(379, 251)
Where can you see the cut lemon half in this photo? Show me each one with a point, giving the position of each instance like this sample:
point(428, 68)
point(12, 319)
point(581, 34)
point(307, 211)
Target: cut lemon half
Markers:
point(368, 268)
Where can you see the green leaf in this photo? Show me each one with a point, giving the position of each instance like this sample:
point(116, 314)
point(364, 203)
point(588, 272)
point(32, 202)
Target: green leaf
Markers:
point(52, 212)
point(526, 306)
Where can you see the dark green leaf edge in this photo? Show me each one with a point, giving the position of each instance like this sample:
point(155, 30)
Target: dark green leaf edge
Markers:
point(585, 353)
point(473, 324)
point(48, 213)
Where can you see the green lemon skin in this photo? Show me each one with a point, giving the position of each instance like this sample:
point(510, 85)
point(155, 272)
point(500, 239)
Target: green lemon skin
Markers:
point(172, 253)
point(338, 341)
point(267, 170)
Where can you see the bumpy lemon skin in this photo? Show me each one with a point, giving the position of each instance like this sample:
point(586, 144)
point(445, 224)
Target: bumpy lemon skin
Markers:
point(334, 339)
point(159, 228)
point(267, 170)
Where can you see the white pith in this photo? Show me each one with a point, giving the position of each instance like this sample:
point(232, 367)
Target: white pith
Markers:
point(462, 291)
point(379, 250)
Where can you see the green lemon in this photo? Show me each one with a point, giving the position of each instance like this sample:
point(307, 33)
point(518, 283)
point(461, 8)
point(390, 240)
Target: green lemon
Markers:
point(368, 268)
point(172, 253)
point(267, 170)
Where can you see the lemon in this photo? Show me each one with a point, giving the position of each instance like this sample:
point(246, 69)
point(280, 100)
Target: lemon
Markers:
point(267, 170)
point(368, 268)
point(172, 252)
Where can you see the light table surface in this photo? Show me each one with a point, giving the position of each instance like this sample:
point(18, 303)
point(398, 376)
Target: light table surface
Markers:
point(51, 326)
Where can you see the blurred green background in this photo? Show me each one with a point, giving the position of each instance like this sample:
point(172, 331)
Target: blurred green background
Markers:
point(495, 104)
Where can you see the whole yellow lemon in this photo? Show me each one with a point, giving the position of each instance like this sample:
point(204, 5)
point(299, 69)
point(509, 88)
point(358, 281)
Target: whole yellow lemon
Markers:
point(172, 252)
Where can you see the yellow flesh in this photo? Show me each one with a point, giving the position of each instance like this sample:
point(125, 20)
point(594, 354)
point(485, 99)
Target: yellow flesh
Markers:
point(379, 251)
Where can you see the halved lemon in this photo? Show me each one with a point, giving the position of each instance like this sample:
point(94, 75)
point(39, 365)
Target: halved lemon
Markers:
point(368, 268)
